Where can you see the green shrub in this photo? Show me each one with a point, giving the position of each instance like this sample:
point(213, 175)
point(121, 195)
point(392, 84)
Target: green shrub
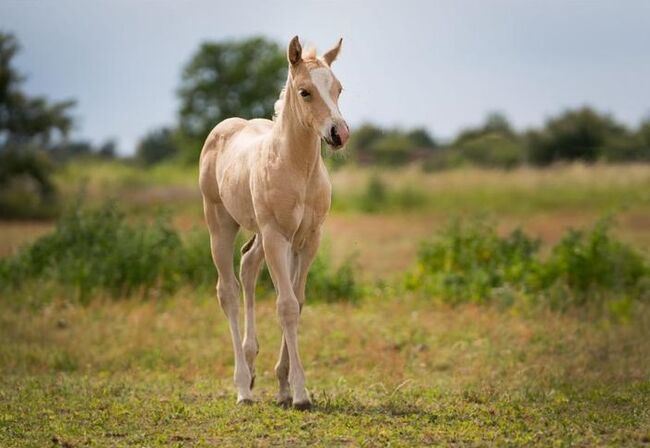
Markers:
point(26, 188)
point(378, 197)
point(326, 284)
point(468, 263)
point(98, 249)
point(472, 263)
point(591, 265)
point(494, 150)
point(375, 196)
point(95, 251)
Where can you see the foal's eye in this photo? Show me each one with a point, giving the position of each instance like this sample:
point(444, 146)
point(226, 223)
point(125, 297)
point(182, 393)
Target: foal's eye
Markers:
point(304, 93)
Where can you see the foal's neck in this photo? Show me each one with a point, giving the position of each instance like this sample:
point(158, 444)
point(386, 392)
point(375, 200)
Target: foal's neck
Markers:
point(297, 142)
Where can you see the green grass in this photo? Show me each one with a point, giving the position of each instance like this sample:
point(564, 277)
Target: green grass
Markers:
point(573, 188)
point(391, 369)
point(386, 372)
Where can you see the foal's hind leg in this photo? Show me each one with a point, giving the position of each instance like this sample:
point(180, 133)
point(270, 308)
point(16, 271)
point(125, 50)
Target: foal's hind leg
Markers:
point(223, 230)
point(251, 262)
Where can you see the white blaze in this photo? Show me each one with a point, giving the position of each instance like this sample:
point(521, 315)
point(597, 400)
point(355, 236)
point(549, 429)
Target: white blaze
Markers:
point(323, 79)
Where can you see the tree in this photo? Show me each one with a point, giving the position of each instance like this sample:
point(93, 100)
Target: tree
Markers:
point(229, 79)
point(494, 144)
point(26, 121)
point(495, 122)
point(27, 125)
point(581, 134)
point(156, 146)
point(421, 137)
point(26, 188)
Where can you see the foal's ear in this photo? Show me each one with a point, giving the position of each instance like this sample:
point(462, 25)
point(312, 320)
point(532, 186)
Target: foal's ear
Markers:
point(294, 52)
point(331, 55)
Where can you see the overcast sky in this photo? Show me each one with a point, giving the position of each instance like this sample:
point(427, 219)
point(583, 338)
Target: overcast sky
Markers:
point(438, 64)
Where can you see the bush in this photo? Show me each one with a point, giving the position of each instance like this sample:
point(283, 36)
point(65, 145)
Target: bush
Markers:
point(468, 263)
point(99, 251)
point(326, 284)
point(472, 263)
point(156, 146)
point(494, 150)
point(378, 197)
point(580, 134)
point(26, 188)
point(590, 265)
point(375, 196)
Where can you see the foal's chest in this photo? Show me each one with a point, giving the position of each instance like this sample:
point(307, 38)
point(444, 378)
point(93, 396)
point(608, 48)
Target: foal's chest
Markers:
point(313, 210)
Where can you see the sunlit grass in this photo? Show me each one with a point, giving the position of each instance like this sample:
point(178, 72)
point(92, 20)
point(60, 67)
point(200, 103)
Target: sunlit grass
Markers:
point(387, 371)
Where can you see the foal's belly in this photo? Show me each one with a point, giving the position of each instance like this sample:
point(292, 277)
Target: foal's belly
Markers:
point(234, 191)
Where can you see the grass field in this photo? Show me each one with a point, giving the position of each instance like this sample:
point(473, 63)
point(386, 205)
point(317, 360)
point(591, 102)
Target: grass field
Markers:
point(396, 369)
point(388, 372)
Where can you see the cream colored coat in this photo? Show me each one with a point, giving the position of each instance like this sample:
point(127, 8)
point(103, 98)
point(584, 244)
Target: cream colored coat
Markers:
point(269, 177)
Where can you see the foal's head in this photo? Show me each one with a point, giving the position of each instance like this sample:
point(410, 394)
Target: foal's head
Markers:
point(317, 91)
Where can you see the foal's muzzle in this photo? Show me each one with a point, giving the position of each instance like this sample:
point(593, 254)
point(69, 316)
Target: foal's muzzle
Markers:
point(338, 135)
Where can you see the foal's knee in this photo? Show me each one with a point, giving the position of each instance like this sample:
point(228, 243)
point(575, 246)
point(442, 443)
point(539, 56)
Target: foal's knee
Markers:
point(288, 311)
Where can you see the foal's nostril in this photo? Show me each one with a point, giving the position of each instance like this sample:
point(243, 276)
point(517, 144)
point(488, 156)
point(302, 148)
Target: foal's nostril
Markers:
point(336, 138)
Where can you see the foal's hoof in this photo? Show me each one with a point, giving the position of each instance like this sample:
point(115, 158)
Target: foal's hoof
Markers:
point(302, 406)
point(245, 401)
point(284, 402)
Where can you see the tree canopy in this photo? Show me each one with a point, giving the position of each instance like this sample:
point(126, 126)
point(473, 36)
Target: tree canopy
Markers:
point(235, 78)
point(156, 146)
point(26, 120)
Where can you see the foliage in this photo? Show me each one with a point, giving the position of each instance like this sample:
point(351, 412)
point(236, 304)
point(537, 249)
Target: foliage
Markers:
point(574, 135)
point(493, 149)
point(326, 284)
point(379, 197)
point(587, 266)
point(27, 125)
point(157, 146)
point(495, 123)
point(229, 79)
point(473, 263)
point(370, 144)
point(26, 188)
point(582, 134)
point(375, 196)
point(468, 263)
point(66, 151)
point(26, 120)
point(99, 250)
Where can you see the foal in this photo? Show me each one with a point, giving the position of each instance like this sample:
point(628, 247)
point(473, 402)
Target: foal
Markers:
point(269, 177)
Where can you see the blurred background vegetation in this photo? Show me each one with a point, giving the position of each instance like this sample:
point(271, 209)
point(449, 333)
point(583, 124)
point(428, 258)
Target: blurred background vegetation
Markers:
point(243, 78)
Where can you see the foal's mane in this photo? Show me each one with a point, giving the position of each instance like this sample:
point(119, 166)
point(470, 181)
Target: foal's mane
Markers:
point(308, 54)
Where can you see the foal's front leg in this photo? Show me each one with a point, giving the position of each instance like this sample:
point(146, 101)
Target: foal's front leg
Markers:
point(301, 262)
point(277, 250)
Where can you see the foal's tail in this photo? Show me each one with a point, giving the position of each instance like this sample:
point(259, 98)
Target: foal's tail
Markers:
point(246, 247)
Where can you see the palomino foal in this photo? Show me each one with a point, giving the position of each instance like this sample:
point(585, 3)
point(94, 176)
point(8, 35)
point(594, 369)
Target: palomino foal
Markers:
point(269, 177)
